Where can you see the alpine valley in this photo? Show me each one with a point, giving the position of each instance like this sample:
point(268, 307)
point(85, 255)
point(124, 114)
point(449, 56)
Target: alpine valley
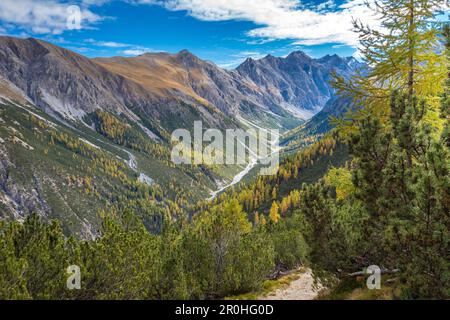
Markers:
point(94, 204)
point(78, 134)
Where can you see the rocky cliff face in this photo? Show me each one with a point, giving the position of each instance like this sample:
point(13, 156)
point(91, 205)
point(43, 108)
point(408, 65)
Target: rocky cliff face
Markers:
point(69, 85)
point(59, 80)
point(298, 83)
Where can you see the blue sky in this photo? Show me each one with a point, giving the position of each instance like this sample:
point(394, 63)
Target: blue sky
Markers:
point(223, 31)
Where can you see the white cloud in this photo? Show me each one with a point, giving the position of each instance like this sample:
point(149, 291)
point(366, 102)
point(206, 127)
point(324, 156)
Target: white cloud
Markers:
point(41, 17)
point(94, 2)
point(126, 48)
point(80, 49)
point(326, 5)
point(248, 54)
point(111, 44)
point(134, 50)
point(230, 64)
point(238, 58)
point(108, 44)
point(282, 19)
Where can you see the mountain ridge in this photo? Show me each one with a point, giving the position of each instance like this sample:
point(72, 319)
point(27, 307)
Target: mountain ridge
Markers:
point(298, 81)
point(69, 85)
point(159, 88)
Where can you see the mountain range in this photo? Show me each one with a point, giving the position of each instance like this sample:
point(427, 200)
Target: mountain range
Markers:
point(166, 91)
point(79, 135)
point(298, 83)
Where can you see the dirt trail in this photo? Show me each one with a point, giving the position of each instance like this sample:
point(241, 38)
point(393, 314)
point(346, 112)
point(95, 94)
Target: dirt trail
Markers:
point(301, 288)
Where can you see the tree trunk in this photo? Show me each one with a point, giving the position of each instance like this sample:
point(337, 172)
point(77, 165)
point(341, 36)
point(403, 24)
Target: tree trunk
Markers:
point(411, 51)
point(411, 40)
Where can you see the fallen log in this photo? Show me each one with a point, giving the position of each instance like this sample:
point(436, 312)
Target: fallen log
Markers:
point(365, 273)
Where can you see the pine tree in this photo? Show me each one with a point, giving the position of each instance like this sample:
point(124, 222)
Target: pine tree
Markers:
point(414, 199)
point(405, 54)
point(398, 143)
point(256, 220)
point(274, 214)
point(12, 282)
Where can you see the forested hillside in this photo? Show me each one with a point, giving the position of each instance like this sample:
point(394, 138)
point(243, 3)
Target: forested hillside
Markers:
point(60, 172)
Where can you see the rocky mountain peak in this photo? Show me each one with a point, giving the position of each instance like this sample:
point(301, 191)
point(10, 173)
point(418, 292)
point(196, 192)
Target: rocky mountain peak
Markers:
point(187, 58)
point(248, 63)
point(298, 55)
point(185, 52)
point(332, 60)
